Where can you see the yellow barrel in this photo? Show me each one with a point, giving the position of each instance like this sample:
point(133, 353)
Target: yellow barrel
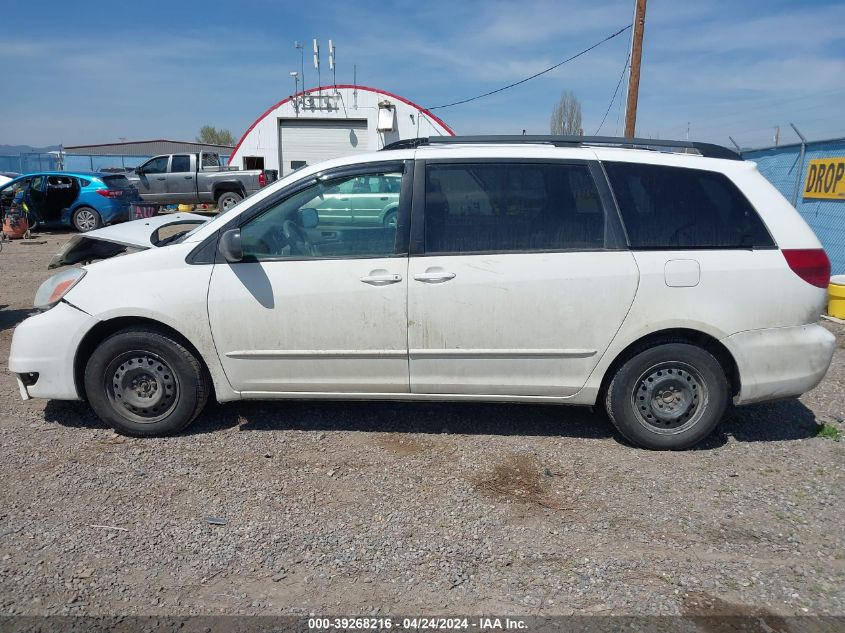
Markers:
point(836, 297)
point(186, 208)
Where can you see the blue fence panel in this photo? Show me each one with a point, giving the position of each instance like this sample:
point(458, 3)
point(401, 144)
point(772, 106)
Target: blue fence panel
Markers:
point(10, 163)
point(780, 165)
point(38, 162)
point(27, 163)
point(75, 162)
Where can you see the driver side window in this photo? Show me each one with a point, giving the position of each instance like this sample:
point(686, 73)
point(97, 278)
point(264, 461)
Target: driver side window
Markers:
point(301, 227)
point(157, 165)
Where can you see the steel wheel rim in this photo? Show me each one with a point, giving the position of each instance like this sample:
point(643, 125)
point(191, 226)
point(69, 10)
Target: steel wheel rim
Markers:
point(669, 397)
point(228, 203)
point(85, 220)
point(141, 386)
point(392, 219)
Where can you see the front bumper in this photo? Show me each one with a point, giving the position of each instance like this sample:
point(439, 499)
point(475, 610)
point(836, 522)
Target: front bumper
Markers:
point(781, 362)
point(46, 344)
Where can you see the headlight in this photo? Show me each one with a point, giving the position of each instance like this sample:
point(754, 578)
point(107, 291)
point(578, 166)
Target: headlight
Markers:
point(56, 287)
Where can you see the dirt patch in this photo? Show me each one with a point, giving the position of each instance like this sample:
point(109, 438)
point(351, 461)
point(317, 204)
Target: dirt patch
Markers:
point(396, 443)
point(714, 615)
point(520, 478)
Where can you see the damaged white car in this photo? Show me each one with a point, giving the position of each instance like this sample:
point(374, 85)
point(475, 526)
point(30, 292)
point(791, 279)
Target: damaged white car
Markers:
point(661, 285)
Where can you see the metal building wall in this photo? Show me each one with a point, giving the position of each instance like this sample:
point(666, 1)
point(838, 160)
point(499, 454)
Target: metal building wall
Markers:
point(146, 148)
point(781, 166)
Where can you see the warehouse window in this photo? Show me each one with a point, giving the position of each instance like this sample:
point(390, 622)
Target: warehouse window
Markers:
point(680, 208)
point(253, 162)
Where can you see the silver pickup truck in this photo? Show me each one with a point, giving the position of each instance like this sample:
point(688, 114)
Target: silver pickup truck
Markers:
point(193, 179)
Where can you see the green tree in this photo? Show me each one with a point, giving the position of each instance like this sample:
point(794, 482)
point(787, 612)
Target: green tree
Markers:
point(211, 135)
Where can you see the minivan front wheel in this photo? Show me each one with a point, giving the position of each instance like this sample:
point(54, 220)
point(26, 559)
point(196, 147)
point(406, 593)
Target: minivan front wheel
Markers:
point(142, 382)
point(668, 397)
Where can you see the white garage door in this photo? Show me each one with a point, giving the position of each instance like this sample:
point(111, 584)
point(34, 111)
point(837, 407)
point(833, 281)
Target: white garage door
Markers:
point(303, 142)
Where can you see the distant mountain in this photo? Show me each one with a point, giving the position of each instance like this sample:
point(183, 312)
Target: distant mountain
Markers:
point(17, 150)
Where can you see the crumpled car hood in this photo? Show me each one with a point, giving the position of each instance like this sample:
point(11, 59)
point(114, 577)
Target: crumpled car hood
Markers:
point(133, 236)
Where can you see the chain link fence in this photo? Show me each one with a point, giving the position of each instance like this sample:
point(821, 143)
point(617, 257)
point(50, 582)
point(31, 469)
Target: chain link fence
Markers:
point(52, 161)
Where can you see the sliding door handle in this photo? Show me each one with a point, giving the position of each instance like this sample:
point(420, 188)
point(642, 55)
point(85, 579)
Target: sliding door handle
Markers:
point(434, 277)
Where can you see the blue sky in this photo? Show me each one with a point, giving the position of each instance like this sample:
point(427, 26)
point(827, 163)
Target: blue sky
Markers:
point(95, 72)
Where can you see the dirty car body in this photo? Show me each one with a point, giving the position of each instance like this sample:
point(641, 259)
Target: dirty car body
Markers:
point(661, 285)
point(192, 179)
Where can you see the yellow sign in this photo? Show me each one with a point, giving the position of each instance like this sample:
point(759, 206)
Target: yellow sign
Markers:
point(826, 179)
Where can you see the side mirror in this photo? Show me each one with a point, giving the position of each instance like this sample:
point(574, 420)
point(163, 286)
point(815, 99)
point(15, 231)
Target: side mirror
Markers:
point(308, 218)
point(230, 246)
point(139, 170)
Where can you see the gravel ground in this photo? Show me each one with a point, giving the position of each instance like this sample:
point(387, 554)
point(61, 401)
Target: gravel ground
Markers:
point(348, 508)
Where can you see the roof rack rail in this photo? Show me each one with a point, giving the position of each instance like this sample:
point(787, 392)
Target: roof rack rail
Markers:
point(708, 150)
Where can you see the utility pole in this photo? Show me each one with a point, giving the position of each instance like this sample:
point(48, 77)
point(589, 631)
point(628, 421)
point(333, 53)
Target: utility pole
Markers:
point(636, 59)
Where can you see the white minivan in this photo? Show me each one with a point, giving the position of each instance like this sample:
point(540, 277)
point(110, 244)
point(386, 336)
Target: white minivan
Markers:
point(660, 279)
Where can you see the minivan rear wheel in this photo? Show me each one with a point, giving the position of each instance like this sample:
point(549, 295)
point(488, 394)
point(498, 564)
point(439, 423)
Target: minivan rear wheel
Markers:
point(143, 382)
point(668, 397)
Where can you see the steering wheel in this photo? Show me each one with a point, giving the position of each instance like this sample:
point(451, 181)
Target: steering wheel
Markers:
point(297, 238)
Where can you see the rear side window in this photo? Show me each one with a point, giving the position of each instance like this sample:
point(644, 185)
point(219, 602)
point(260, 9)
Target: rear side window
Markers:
point(507, 207)
point(60, 182)
point(180, 163)
point(679, 208)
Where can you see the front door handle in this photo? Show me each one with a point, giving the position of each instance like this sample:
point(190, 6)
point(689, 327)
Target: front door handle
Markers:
point(434, 277)
point(381, 278)
point(187, 177)
point(160, 178)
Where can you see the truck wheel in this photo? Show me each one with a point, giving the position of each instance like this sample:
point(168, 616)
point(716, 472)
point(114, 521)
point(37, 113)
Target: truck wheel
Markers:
point(144, 383)
point(668, 397)
point(86, 219)
point(227, 200)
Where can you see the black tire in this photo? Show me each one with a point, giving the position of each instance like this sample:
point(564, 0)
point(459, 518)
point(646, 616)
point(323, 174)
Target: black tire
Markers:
point(227, 200)
point(86, 219)
point(668, 397)
point(144, 383)
point(390, 218)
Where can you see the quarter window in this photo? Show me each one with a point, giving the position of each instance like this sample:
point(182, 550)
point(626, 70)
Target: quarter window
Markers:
point(679, 208)
point(507, 207)
point(325, 221)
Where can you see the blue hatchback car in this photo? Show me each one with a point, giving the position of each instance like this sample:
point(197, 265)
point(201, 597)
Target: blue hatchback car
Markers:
point(83, 200)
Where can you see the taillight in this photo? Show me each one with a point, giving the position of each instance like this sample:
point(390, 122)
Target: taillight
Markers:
point(110, 193)
point(262, 179)
point(811, 264)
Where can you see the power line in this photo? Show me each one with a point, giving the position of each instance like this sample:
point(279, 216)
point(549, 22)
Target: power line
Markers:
point(615, 92)
point(734, 118)
point(534, 76)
